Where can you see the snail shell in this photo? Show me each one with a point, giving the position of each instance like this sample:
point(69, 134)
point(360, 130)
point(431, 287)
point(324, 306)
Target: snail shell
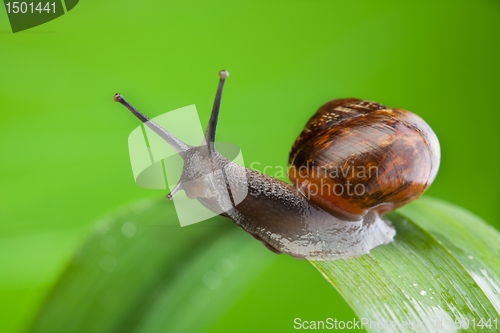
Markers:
point(354, 156)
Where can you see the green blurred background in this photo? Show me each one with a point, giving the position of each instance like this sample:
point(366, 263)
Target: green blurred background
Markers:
point(64, 156)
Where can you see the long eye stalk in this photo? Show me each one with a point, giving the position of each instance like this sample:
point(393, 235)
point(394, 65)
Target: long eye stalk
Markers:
point(173, 141)
point(212, 124)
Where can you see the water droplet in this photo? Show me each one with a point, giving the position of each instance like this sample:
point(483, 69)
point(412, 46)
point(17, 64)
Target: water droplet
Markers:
point(470, 257)
point(225, 266)
point(212, 279)
point(142, 205)
point(415, 285)
point(129, 229)
point(102, 226)
point(423, 293)
point(108, 263)
point(108, 243)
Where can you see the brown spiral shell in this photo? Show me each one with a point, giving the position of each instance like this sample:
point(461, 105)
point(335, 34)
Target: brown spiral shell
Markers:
point(355, 155)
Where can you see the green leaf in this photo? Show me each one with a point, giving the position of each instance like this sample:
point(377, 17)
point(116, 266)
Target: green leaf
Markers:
point(443, 267)
point(142, 272)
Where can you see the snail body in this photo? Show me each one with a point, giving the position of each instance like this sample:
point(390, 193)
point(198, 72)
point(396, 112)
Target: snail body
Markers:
point(380, 158)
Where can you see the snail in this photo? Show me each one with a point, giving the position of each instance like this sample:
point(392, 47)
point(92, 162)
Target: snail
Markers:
point(354, 162)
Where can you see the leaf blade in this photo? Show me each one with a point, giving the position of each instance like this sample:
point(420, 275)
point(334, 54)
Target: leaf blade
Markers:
point(423, 275)
point(149, 286)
